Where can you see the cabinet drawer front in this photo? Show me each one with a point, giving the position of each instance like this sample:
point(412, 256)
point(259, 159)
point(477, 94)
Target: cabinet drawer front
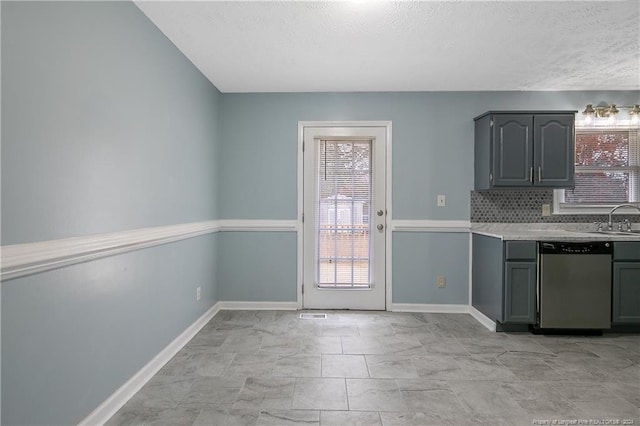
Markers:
point(626, 250)
point(520, 250)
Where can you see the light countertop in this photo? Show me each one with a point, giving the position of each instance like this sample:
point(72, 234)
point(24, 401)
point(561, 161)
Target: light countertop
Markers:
point(547, 232)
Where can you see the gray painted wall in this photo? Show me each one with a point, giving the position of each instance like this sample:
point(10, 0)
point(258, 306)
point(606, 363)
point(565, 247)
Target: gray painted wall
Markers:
point(432, 144)
point(73, 336)
point(432, 154)
point(419, 257)
point(257, 266)
point(106, 127)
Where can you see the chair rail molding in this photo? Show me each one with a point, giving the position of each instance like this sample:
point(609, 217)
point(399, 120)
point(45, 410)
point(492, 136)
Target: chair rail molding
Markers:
point(20, 260)
point(430, 226)
point(258, 225)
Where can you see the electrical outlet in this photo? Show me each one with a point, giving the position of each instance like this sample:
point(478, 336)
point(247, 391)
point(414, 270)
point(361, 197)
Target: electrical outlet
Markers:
point(441, 281)
point(546, 210)
point(198, 293)
point(442, 201)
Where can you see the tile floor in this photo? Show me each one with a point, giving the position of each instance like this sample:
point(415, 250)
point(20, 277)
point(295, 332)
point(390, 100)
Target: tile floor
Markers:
point(387, 368)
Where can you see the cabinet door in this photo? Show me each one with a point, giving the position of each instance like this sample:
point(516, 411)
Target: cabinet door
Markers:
point(554, 147)
point(626, 293)
point(512, 140)
point(520, 292)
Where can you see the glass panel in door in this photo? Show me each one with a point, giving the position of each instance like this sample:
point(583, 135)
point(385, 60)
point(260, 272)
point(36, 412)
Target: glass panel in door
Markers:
point(343, 211)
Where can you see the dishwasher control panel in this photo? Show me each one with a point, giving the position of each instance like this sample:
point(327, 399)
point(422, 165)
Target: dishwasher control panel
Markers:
point(596, 247)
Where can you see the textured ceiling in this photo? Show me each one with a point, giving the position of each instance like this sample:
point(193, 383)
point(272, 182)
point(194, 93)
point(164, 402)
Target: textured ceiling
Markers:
point(407, 46)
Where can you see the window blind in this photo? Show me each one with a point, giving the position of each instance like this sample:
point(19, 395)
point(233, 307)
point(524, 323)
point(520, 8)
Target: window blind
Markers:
point(607, 167)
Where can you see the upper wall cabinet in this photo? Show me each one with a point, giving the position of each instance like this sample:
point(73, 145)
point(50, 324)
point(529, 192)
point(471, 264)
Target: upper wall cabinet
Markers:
point(524, 149)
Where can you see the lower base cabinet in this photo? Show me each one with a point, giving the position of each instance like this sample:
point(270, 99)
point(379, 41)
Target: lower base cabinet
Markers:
point(504, 277)
point(626, 283)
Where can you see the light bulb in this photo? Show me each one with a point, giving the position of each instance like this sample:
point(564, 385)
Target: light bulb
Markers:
point(589, 114)
point(588, 119)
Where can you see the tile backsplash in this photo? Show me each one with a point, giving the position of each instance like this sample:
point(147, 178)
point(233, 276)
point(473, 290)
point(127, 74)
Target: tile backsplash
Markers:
point(523, 206)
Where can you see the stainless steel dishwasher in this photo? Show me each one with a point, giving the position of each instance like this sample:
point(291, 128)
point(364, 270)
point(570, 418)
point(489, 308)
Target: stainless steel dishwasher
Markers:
point(575, 285)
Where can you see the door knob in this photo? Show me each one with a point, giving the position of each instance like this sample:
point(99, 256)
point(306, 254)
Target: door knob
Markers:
point(380, 227)
point(380, 212)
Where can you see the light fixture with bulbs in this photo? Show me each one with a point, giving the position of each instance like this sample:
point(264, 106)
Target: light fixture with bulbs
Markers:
point(610, 113)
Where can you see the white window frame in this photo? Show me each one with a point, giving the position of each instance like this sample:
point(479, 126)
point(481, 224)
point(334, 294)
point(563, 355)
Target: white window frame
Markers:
point(561, 208)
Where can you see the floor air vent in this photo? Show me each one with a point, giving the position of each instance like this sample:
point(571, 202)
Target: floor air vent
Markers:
point(313, 316)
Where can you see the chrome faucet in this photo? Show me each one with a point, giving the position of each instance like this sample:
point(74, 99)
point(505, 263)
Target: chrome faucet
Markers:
point(610, 224)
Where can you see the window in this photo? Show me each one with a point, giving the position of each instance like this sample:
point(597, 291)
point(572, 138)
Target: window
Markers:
point(607, 171)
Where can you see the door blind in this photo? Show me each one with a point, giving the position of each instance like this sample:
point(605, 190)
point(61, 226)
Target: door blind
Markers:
point(343, 213)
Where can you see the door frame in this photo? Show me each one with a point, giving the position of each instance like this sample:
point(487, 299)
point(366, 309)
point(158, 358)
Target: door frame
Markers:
point(387, 124)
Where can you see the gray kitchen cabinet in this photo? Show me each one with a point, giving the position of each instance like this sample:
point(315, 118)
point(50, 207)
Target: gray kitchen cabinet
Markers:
point(524, 149)
point(626, 283)
point(504, 279)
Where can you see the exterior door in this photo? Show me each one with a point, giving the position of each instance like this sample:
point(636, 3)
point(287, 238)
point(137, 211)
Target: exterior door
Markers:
point(344, 228)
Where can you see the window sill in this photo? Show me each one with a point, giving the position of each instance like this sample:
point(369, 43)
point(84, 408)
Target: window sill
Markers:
point(581, 211)
point(590, 210)
point(560, 208)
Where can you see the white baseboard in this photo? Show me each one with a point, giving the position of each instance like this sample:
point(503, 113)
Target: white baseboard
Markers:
point(446, 309)
point(119, 398)
point(482, 318)
point(433, 308)
point(258, 306)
